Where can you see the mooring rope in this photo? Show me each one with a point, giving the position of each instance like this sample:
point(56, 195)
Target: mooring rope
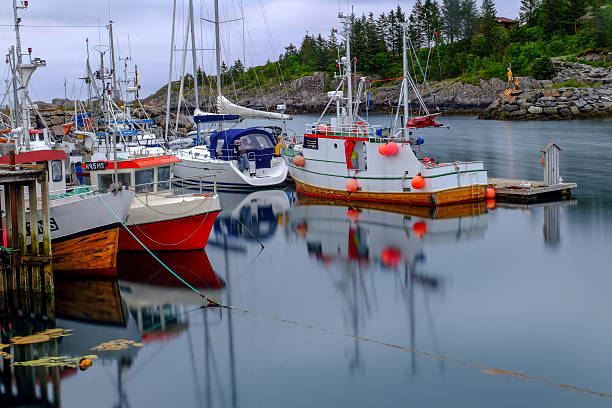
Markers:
point(155, 256)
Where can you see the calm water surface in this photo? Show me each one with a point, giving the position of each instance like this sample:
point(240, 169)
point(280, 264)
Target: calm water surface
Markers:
point(341, 306)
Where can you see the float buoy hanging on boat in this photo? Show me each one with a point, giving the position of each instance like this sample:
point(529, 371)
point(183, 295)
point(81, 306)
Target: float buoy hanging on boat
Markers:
point(352, 185)
point(543, 162)
point(490, 193)
point(382, 149)
point(418, 182)
point(299, 160)
point(392, 149)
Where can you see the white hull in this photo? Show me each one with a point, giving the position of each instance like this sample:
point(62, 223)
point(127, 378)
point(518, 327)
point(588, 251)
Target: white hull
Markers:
point(226, 173)
point(157, 207)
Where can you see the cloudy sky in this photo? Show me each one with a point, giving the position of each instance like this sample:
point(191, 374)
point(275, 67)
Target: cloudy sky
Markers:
point(56, 31)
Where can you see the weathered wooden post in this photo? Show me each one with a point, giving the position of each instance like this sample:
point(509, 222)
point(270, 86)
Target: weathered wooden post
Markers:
point(34, 245)
point(46, 221)
point(551, 164)
point(23, 240)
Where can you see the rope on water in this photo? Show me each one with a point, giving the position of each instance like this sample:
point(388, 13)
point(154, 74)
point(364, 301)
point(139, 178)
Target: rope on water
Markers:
point(108, 207)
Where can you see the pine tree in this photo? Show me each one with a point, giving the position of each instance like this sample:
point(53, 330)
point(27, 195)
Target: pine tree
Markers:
point(415, 30)
point(550, 16)
point(451, 22)
point(487, 17)
point(430, 19)
point(528, 14)
point(469, 19)
point(573, 11)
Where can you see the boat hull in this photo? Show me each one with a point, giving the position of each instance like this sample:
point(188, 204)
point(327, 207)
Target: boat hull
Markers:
point(89, 254)
point(187, 233)
point(455, 195)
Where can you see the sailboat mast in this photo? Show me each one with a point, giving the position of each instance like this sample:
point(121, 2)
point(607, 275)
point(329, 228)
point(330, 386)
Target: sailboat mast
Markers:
point(170, 72)
point(16, 110)
point(405, 81)
point(193, 56)
point(218, 47)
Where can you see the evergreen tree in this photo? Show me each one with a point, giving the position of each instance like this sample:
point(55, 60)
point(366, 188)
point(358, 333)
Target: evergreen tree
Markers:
point(451, 23)
point(469, 19)
point(415, 30)
point(550, 16)
point(430, 19)
point(529, 10)
point(397, 31)
point(487, 17)
point(574, 10)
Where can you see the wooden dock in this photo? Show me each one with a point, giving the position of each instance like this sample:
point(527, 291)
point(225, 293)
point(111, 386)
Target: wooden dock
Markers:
point(529, 191)
point(25, 267)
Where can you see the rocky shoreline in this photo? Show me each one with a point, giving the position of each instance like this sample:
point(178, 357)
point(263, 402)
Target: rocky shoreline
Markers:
point(536, 99)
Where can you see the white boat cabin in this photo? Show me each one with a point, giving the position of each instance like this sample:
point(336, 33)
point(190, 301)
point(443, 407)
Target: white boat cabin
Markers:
point(145, 174)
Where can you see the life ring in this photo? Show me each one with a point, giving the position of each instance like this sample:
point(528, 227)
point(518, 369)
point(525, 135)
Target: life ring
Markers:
point(68, 128)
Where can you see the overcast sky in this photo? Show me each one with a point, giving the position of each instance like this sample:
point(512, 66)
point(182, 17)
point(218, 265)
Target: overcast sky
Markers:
point(148, 23)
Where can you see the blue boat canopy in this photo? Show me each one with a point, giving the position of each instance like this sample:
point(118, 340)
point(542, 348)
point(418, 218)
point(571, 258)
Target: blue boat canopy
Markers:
point(214, 118)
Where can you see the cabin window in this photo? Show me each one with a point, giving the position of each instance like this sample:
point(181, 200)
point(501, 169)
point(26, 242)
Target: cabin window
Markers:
point(144, 180)
point(255, 141)
point(163, 174)
point(56, 171)
point(105, 180)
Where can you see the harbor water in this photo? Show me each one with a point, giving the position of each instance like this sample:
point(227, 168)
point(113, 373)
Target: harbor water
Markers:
point(364, 306)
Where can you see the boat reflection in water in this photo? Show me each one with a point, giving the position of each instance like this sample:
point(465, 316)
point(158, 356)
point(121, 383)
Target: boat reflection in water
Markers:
point(250, 217)
point(356, 240)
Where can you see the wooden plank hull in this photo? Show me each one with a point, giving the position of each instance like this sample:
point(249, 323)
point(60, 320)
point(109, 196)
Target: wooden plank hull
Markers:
point(455, 195)
point(91, 254)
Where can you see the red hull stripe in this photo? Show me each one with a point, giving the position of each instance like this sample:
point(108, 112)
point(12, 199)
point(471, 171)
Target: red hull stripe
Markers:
point(173, 235)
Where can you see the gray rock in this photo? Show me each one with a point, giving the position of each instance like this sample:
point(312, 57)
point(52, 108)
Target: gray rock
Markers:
point(517, 113)
point(587, 108)
point(534, 110)
point(579, 103)
point(509, 108)
point(564, 112)
point(546, 83)
point(550, 110)
point(547, 99)
point(574, 110)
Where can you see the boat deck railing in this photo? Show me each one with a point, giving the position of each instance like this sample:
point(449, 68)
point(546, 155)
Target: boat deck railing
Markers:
point(176, 187)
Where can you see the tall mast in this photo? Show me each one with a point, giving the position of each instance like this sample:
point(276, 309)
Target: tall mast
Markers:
point(170, 72)
point(193, 55)
point(16, 111)
point(218, 47)
point(24, 117)
point(349, 83)
point(112, 50)
point(405, 81)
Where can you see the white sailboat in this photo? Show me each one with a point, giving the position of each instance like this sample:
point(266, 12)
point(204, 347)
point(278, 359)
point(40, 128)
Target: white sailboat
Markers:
point(240, 159)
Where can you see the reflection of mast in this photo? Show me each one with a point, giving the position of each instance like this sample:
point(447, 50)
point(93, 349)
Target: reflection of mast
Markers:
point(230, 328)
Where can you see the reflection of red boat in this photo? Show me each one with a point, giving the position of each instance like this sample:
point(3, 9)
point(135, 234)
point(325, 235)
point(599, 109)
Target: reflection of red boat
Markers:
point(193, 266)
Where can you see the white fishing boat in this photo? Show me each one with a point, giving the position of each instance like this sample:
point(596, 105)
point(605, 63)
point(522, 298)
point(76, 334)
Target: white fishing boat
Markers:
point(239, 158)
point(347, 158)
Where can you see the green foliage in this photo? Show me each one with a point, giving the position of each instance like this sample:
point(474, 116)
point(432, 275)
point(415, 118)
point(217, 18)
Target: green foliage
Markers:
point(469, 44)
point(542, 68)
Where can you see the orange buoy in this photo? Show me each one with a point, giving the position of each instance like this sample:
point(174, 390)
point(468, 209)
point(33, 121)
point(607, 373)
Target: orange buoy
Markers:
point(382, 149)
point(490, 192)
point(352, 185)
point(543, 162)
point(391, 256)
point(418, 182)
point(352, 214)
point(85, 363)
point(419, 229)
point(392, 149)
point(299, 160)
point(490, 204)
point(301, 229)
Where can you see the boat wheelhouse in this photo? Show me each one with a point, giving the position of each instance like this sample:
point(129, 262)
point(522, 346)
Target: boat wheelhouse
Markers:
point(165, 215)
point(239, 158)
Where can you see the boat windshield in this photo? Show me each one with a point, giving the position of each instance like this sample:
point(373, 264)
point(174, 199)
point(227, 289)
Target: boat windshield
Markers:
point(255, 141)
